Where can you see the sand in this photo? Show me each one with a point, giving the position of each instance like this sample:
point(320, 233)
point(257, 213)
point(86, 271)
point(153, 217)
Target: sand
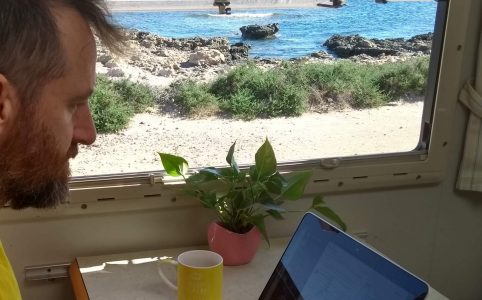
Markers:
point(203, 142)
point(167, 5)
point(170, 5)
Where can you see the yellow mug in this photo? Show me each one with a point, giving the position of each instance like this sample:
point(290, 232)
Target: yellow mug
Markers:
point(199, 275)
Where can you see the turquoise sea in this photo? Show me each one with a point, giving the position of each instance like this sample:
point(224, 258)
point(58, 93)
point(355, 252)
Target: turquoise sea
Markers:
point(302, 30)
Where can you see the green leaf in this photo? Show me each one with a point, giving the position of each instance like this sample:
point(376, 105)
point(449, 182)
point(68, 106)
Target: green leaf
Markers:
point(219, 173)
point(174, 165)
point(265, 160)
point(273, 207)
point(208, 199)
point(275, 183)
point(275, 214)
point(258, 221)
point(295, 185)
point(265, 198)
point(228, 173)
point(318, 201)
point(192, 191)
point(211, 171)
point(201, 177)
point(239, 201)
point(327, 212)
point(230, 159)
point(253, 173)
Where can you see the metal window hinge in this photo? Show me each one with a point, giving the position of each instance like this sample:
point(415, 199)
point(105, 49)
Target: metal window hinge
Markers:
point(46, 272)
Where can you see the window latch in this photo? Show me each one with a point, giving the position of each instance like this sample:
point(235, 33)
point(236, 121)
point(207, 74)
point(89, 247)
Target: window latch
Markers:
point(330, 163)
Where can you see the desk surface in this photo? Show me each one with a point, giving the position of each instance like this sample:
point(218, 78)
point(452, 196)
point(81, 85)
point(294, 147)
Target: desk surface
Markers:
point(134, 275)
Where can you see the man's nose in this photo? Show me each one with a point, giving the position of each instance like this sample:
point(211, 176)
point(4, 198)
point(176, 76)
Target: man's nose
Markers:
point(84, 128)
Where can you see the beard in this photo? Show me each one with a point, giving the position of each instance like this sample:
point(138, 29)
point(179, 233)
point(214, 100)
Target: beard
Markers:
point(33, 172)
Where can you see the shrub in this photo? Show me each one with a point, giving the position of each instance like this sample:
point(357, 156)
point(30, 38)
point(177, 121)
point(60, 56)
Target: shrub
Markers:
point(249, 91)
point(366, 96)
point(399, 79)
point(113, 103)
point(137, 95)
point(344, 82)
point(242, 104)
point(109, 111)
point(194, 98)
point(271, 93)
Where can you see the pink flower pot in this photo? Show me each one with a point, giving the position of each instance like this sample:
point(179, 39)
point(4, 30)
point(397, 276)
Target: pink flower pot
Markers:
point(235, 248)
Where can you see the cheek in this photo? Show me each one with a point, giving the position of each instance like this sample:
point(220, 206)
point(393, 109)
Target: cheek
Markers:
point(62, 130)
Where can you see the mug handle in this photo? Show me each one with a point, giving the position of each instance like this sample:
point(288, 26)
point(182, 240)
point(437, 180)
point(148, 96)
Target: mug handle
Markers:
point(161, 273)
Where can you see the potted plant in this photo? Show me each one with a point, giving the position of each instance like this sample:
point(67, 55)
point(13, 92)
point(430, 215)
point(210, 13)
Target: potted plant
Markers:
point(242, 199)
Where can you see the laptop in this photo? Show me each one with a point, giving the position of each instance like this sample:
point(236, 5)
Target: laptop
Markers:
point(322, 262)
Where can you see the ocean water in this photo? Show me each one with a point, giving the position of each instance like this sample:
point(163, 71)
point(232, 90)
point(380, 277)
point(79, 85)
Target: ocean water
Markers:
point(302, 30)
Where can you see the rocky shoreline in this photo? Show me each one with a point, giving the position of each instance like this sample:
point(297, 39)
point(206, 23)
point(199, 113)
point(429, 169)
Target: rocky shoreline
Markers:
point(158, 61)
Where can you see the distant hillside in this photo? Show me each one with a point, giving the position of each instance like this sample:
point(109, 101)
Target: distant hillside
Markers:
point(117, 5)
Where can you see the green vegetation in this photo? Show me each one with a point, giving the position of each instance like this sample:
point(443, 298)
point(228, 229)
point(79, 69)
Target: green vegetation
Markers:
point(400, 78)
point(194, 98)
point(113, 103)
point(249, 92)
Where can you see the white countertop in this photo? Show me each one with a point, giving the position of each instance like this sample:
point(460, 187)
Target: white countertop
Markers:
point(134, 276)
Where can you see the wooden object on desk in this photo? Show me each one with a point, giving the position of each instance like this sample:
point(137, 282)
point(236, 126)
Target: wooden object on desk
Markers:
point(78, 285)
point(134, 275)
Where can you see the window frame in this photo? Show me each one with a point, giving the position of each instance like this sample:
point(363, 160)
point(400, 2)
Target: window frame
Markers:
point(423, 166)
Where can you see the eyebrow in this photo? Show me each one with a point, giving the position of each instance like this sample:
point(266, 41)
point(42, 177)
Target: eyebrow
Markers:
point(88, 93)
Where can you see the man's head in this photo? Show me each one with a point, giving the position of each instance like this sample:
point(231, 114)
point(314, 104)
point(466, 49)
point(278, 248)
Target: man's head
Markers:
point(47, 72)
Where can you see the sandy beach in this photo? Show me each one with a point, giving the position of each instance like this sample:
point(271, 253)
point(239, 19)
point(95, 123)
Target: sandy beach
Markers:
point(172, 5)
point(391, 128)
point(169, 5)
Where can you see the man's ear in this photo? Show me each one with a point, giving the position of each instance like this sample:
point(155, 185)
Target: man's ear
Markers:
point(8, 104)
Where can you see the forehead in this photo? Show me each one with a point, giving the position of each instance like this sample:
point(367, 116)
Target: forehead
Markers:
point(78, 42)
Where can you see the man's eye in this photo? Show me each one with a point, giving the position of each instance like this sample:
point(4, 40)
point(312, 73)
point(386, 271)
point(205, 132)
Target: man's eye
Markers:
point(74, 107)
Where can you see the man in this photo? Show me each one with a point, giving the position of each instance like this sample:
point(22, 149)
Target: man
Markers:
point(47, 73)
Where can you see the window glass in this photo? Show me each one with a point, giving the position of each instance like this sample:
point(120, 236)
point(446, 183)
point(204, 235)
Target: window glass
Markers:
point(316, 80)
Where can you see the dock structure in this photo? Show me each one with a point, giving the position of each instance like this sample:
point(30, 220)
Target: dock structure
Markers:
point(223, 7)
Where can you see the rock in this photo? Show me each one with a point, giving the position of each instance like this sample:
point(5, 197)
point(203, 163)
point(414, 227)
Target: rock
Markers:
point(162, 52)
point(353, 45)
point(115, 72)
point(362, 57)
point(193, 43)
point(239, 51)
point(175, 67)
point(333, 4)
point(104, 58)
point(365, 43)
point(165, 72)
point(145, 39)
point(135, 57)
point(146, 43)
point(207, 57)
point(321, 54)
point(427, 37)
point(111, 64)
point(259, 31)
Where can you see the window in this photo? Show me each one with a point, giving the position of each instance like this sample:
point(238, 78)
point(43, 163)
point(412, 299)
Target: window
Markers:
point(348, 146)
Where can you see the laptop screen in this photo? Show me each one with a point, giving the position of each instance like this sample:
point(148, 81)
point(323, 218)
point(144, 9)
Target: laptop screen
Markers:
point(322, 262)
